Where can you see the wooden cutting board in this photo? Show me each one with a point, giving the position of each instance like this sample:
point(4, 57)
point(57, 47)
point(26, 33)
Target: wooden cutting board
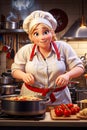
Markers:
point(54, 117)
point(81, 117)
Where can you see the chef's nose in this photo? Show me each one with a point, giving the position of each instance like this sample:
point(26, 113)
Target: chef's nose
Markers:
point(42, 36)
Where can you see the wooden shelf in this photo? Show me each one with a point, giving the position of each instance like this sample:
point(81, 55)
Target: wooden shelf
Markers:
point(12, 31)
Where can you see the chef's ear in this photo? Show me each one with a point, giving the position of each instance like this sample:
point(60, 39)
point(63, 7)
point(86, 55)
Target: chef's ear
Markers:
point(30, 37)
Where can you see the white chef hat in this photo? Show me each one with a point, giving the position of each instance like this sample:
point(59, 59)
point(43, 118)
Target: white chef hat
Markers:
point(39, 17)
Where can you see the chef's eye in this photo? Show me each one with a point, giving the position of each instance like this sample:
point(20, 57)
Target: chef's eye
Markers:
point(36, 34)
point(46, 32)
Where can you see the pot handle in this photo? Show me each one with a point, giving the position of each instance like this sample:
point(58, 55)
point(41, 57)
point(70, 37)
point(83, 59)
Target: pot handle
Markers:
point(45, 101)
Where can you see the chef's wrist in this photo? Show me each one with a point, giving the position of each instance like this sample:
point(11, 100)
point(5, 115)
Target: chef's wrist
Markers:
point(69, 77)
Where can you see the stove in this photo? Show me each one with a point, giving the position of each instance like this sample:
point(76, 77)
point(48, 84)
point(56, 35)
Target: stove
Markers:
point(4, 116)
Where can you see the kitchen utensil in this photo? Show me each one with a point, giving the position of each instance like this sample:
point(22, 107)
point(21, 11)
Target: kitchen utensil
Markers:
point(82, 103)
point(72, 84)
point(48, 95)
point(5, 48)
point(12, 53)
point(28, 108)
point(6, 80)
point(7, 89)
point(54, 117)
point(61, 17)
point(50, 92)
point(11, 25)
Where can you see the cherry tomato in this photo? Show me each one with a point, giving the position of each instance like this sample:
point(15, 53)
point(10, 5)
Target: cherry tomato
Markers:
point(67, 112)
point(58, 112)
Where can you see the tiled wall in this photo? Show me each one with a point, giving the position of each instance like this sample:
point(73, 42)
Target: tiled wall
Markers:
point(79, 46)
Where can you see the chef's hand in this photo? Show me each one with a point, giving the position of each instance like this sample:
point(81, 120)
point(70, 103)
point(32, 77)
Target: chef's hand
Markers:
point(62, 80)
point(28, 78)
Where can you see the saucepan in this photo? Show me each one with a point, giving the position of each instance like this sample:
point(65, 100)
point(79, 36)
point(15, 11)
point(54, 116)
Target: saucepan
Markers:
point(82, 103)
point(11, 25)
point(6, 80)
point(7, 89)
point(23, 107)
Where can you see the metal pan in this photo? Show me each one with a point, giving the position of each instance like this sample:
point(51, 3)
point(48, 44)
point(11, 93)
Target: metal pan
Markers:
point(6, 80)
point(7, 89)
point(82, 104)
point(26, 108)
point(11, 25)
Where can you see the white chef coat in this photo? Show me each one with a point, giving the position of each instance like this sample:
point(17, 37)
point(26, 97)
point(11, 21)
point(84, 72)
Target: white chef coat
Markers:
point(47, 70)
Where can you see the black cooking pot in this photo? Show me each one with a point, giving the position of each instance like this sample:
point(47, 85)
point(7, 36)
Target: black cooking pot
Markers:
point(6, 80)
point(26, 108)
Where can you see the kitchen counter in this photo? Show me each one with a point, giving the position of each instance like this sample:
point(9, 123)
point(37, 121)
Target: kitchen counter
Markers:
point(46, 122)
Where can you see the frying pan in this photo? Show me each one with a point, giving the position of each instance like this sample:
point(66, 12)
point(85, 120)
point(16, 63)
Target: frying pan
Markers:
point(26, 108)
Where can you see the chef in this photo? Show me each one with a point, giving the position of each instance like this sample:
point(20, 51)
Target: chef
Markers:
point(47, 64)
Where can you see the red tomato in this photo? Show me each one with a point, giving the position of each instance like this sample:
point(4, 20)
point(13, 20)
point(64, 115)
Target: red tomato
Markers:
point(58, 112)
point(63, 106)
point(73, 111)
point(77, 108)
point(67, 112)
point(70, 105)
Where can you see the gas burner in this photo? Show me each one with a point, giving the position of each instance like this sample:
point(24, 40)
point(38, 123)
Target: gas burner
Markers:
point(16, 117)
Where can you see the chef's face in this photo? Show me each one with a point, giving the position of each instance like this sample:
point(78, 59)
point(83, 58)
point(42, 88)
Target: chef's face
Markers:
point(42, 36)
